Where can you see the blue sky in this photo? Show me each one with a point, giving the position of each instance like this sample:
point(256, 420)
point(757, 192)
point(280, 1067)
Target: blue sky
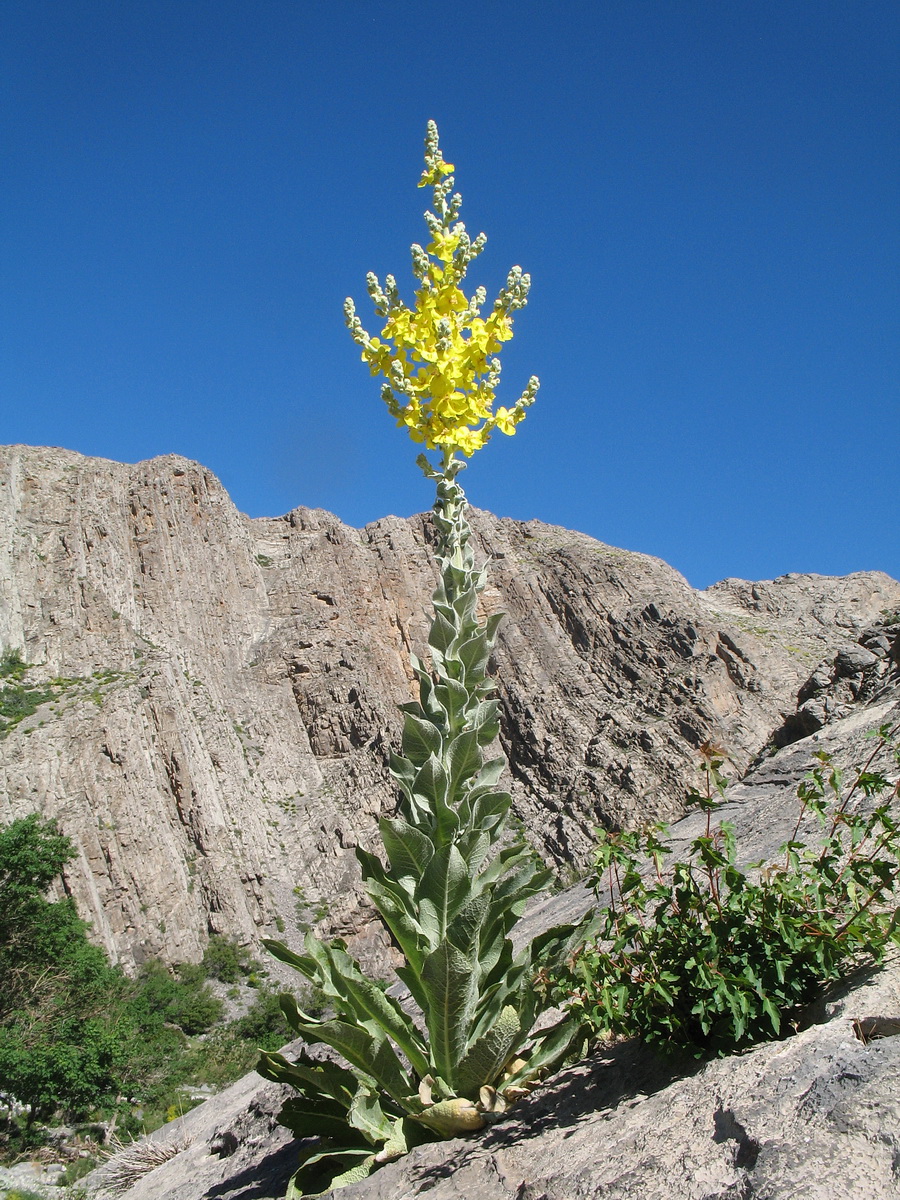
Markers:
point(704, 192)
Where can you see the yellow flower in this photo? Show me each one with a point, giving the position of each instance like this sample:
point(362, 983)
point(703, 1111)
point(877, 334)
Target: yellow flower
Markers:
point(435, 173)
point(443, 245)
point(436, 356)
point(506, 421)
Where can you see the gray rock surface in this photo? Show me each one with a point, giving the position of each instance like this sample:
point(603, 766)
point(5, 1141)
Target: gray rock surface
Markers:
point(219, 743)
point(814, 1117)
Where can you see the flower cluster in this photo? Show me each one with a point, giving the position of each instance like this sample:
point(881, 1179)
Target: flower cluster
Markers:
point(439, 358)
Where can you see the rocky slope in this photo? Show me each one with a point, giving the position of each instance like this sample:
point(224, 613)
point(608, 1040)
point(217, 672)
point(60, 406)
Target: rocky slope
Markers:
point(812, 1117)
point(226, 688)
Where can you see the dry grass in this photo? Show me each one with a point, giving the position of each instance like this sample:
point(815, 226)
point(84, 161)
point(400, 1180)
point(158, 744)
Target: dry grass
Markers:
point(131, 1161)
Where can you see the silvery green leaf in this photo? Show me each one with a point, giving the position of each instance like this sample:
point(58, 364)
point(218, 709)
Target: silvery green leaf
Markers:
point(372, 1055)
point(311, 1116)
point(300, 962)
point(474, 655)
point(486, 1057)
point(489, 775)
point(404, 928)
point(489, 808)
point(550, 1049)
point(372, 1008)
point(450, 982)
point(445, 883)
point(454, 696)
point(408, 848)
point(441, 633)
point(367, 1115)
point(464, 759)
point(421, 739)
point(310, 1077)
point(474, 848)
point(465, 928)
point(431, 781)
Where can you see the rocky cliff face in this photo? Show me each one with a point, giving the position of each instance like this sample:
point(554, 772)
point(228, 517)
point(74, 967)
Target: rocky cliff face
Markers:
point(226, 688)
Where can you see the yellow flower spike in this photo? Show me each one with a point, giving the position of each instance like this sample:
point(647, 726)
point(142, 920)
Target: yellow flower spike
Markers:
point(435, 356)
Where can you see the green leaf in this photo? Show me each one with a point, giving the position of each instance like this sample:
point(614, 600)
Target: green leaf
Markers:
point(308, 1116)
point(373, 1008)
point(445, 884)
point(464, 759)
point(406, 930)
point(310, 1077)
point(367, 1115)
point(334, 1166)
point(474, 655)
point(454, 697)
point(408, 848)
point(450, 982)
point(431, 782)
point(550, 1048)
point(491, 625)
point(300, 962)
point(463, 931)
point(486, 1057)
point(372, 1055)
point(489, 775)
point(441, 633)
point(421, 739)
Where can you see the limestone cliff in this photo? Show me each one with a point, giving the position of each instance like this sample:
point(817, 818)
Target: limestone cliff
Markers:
point(226, 688)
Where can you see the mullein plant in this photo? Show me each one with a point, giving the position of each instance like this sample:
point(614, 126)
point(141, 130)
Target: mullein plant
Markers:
point(453, 880)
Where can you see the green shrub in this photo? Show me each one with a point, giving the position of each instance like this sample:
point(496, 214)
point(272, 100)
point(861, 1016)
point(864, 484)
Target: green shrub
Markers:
point(264, 1024)
point(181, 999)
point(707, 958)
point(17, 698)
point(12, 665)
point(227, 961)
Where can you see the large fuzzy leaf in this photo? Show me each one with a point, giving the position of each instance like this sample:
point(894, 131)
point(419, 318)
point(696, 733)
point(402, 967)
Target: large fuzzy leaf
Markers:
point(372, 1055)
point(310, 1077)
point(489, 776)
point(367, 1115)
point(488, 809)
point(474, 848)
point(442, 632)
point(300, 962)
point(464, 759)
point(406, 931)
point(455, 698)
point(333, 1165)
point(408, 848)
point(450, 982)
point(465, 929)
point(486, 1057)
point(421, 739)
point(373, 1008)
point(431, 781)
point(552, 947)
point(311, 1116)
point(474, 655)
point(445, 884)
point(402, 770)
point(551, 1047)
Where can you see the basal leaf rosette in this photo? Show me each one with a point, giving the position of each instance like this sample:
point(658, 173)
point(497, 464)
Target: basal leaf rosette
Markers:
point(439, 358)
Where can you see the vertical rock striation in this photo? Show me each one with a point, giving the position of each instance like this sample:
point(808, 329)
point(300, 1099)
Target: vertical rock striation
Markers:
point(226, 688)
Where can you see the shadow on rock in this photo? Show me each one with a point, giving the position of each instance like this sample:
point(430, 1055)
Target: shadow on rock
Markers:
point(264, 1179)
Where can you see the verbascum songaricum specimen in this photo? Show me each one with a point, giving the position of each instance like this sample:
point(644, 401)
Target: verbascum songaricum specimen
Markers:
point(452, 881)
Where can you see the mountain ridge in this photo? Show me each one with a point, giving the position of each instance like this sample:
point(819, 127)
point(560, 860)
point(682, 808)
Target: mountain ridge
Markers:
point(219, 743)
